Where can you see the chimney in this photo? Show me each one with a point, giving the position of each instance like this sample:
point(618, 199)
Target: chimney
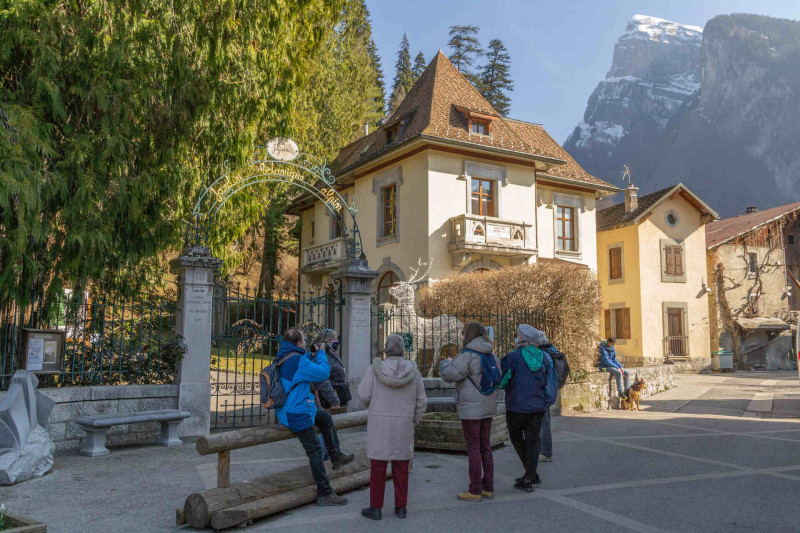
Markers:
point(366, 128)
point(631, 198)
point(752, 209)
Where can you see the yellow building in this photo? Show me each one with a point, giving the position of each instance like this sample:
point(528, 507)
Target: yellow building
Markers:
point(652, 275)
point(446, 177)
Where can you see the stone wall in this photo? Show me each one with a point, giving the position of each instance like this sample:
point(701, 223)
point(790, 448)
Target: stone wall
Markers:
point(695, 365)
point(600, 391)
point(72, 402)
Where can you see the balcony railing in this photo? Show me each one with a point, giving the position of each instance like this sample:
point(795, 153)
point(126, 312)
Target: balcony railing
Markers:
point(676, 348)
point(490, 235)
point(325, 256)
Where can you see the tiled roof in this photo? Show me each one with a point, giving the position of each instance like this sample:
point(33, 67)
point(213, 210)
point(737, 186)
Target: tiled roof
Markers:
point(724, 230)
point(431, 109)
point(616, 216)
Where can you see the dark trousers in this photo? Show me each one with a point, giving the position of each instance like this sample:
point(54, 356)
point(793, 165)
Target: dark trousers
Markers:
point(523, 430)
point(308, 438)
point(546, 436)
point(377, 483)
point(477, 434)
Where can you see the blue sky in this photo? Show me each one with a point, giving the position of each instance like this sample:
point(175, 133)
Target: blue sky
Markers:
point(559, 49)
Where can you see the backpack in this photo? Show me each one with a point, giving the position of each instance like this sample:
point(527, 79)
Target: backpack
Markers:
point(561, 367)
point(551, 385)
point(490, 379)
point(273, 395)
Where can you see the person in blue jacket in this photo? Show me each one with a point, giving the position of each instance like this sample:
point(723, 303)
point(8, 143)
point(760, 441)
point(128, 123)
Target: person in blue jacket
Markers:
point(608, 360)
point(298, 370)
point(541, 341)
point(531, 386)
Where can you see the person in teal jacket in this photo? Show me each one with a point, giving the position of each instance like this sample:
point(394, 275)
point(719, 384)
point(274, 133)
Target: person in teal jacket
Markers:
point(298, 370)
point(608, 360)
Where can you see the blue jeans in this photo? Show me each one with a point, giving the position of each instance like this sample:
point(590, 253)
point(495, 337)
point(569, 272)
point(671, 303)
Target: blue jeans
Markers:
point(546, 436)
point(618, 374)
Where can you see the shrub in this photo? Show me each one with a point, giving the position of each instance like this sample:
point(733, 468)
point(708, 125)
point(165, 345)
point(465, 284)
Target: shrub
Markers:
point(567, 295)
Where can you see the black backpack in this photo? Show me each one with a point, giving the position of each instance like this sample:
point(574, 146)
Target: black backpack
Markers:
point(561, 366)
point(272, 393)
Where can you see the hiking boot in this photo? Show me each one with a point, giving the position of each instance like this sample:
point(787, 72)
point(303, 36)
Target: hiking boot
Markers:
point(373, 513)
point(524, 484)
point(469, 497)
point(331, 499)
point(400, 512)
point(545, 459)
point(342, 460)
point(488, 495)
point(538, 480)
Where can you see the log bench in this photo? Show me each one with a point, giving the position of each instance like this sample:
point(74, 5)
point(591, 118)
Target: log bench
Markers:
point(96, 426)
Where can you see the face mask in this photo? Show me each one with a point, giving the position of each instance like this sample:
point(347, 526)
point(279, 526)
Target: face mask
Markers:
point(516, 340)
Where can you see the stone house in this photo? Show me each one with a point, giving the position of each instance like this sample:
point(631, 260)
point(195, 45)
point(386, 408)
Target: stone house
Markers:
point(652, 275)
point(754, 264)
point(446, 177)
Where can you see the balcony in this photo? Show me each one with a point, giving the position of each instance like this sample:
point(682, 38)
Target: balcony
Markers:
point(324, 257)
point(676, 348)
point(480, 235)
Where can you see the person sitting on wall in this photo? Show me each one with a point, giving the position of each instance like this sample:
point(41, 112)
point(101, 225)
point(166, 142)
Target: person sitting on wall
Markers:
point(300, 414)
point(608, 360)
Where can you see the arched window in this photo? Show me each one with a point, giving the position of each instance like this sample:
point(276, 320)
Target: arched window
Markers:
point(386, 281)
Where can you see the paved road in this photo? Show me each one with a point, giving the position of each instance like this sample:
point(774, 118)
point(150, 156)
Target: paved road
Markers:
point(683, 464)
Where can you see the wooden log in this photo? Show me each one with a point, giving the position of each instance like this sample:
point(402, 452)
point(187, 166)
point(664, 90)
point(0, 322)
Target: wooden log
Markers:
point(224, 469)
point(200, 506)
point(233, 516)
point(244, 438)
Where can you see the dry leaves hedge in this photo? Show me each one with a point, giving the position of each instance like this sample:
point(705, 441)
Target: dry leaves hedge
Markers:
point(566, 294)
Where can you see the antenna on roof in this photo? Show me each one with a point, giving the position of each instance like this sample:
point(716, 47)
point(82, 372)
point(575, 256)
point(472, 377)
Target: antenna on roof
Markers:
point(627, 175)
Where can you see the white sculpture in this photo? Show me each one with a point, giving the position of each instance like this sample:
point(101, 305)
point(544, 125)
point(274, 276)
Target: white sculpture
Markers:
point(428, 333)
point(26, 449)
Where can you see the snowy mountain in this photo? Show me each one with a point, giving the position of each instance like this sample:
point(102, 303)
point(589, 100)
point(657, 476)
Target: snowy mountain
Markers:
point(716, 108)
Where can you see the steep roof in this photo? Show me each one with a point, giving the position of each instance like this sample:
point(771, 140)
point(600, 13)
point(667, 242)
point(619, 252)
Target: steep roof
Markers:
point(436, 107)
point(722, 231)
point(615, 216)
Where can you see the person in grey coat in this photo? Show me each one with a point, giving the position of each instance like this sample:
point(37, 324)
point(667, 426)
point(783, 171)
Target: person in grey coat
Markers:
point(475, 410)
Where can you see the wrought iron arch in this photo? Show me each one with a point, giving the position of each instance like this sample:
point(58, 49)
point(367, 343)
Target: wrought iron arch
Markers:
point(279, 161)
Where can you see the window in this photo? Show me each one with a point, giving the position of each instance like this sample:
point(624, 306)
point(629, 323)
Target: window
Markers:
point(389, 203)
point(392, 134)
point(790, 239)
point(615, 263)
point(312, 229)
point(565, 228)
point(618, 323)
point(483, 197)
point(384, 284)
point(336, 227)
point(673, 263)
point(672, 218)
point(479, 127)
point(752, 263)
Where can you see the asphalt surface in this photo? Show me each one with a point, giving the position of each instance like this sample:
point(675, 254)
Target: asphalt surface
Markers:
point(717, 453)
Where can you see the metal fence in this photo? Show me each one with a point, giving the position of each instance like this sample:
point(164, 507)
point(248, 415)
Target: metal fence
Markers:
point(430, 337)
point(108, 340)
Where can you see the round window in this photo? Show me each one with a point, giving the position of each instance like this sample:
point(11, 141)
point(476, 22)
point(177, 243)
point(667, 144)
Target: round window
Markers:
point(672, 218)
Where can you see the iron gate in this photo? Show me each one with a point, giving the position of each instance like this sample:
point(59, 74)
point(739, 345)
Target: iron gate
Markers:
point(247, 330)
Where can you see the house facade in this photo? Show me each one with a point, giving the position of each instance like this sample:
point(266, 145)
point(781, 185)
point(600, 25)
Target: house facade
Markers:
point(447, 178)
point(652, 276)
point(754, 262)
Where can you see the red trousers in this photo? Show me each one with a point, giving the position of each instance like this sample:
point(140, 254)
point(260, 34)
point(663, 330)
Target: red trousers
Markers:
point(477, 434)
point(377, 482)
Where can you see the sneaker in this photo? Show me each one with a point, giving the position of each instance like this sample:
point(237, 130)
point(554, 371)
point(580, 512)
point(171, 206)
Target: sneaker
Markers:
point(488, 495)
point(343, 459)
point(538, 480)
point(373, 513)
point(331, 499)
point(545, 459)
point(523, 484)
point(622, 396)
point(400, 512)
point(469, 497)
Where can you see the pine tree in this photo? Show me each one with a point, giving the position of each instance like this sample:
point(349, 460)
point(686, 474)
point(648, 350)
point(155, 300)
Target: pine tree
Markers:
point(380, 99)
point(403, 75)
point(465, 49)
point(419, 66)
point(494, 80)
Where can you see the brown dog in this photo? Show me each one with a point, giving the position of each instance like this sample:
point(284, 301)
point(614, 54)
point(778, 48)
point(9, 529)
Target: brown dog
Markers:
point(633, 393)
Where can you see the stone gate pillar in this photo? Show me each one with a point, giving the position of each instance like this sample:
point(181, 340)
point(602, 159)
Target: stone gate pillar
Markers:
point(357, 280)
point(195, 271)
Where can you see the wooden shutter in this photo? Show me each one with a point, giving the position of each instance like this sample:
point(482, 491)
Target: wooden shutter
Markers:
point(626, 323)
point(677, 252)
point(670, 259)
point(615, 263)
point(607, 319)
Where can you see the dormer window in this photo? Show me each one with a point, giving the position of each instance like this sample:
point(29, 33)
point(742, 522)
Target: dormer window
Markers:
point(480, 127)
point(392, 134)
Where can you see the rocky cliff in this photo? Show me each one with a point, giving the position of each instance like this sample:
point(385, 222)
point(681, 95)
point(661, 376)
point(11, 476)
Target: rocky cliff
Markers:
point(716, 108)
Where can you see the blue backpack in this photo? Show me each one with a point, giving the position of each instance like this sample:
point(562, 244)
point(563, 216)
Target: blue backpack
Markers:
point(490, 380)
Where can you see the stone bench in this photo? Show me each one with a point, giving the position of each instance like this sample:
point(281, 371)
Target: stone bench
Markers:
point(96, 426)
